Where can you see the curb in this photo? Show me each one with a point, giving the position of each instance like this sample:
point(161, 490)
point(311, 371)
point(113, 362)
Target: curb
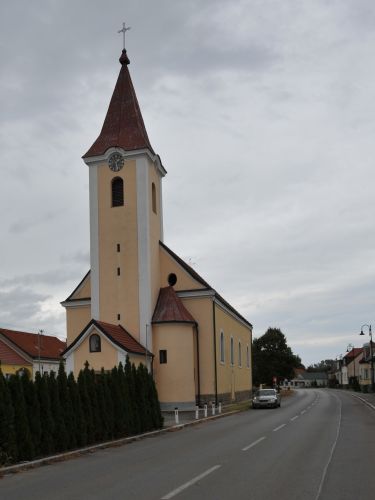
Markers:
point(108, 444)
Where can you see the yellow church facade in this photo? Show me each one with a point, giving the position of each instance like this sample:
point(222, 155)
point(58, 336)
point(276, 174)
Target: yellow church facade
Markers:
point(139, 298)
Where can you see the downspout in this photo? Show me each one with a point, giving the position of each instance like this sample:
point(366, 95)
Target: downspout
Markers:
point(198, 370)
point(214, 333)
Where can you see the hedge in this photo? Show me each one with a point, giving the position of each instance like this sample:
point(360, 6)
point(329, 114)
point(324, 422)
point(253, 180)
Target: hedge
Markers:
point(56, 413)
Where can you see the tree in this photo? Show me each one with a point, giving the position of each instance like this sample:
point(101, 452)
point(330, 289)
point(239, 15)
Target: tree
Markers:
point(60, 435)
point(86, 404)
point(24, 440)
point(8, 446)
point(325, 365)
point(78, 416)
point(46, 419)
point(32, 411)
point(272, 357)
point(66, 407)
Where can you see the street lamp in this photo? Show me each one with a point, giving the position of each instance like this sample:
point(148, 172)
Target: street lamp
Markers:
point(371, 356)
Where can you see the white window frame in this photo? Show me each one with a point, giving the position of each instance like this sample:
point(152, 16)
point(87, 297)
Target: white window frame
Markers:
point(247, 356)
point(239, 354)
point(231, 351)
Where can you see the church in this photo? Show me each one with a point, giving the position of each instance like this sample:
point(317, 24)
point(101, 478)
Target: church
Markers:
point(140, 299)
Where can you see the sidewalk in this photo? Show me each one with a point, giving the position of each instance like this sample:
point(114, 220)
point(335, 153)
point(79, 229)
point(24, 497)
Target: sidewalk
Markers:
point(189, 416)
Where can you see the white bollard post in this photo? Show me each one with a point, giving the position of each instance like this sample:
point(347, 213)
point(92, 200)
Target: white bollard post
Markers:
point(176, 415)
point(213, 408)
point(196, 413)
point(205, 410)
point(219, 407)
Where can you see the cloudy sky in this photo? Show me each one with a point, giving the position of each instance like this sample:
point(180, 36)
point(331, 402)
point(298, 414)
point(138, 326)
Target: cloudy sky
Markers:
point(263, 114)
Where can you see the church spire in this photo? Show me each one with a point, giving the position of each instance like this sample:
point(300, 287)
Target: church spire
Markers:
point(123, 125)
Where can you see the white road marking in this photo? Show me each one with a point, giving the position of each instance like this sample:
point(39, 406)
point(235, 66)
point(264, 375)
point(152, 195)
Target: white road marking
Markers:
point(253, 444)
point(280, 427)
point(332, 452)
point(190, 483)
point(293, 418)
point(303, 411)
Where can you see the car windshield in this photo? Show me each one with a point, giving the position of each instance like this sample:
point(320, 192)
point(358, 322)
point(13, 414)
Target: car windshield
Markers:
point(266, 392)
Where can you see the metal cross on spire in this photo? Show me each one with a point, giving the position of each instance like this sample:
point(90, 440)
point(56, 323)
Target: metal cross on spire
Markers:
point(123, 31)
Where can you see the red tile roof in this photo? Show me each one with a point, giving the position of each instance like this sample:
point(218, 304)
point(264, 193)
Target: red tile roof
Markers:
point(116, 333)
point(123, 125)
point(170, 309)
point(50, 347)
point(10, 357)
point(353, 353)
point(121, 337)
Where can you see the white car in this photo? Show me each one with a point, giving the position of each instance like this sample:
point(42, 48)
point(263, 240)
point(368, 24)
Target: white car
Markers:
point(266, 398)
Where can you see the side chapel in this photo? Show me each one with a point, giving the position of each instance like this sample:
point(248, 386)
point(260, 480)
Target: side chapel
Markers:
point(139, 298)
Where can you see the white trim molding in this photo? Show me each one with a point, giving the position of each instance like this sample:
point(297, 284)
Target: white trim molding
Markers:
point(94, 242)
point(144, 260)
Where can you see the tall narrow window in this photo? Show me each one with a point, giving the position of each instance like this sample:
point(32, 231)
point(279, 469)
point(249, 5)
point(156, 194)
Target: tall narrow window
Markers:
point(247, 357)
point(222, 355)
point(231, 351)
point(117, 192)
point(239, 354)
point(162, 356)
point(153, 189)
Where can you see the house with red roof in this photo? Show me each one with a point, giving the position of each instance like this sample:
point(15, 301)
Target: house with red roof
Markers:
point(139, 298)
point(29, 352)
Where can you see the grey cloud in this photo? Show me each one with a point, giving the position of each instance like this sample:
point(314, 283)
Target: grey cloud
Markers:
point(56, 277)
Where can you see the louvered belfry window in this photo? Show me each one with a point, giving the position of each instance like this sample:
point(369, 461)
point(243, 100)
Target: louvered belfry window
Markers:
point(117, 192)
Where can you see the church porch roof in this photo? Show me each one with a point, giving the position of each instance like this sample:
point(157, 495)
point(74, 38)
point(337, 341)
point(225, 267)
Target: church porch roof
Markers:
point(117, 334)
point(170, 309)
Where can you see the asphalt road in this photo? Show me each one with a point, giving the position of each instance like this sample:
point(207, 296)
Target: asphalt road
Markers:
point(319, 445)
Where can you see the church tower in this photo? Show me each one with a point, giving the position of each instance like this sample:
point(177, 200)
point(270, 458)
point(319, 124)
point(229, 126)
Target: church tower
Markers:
point(126, 222)
point(140, 299)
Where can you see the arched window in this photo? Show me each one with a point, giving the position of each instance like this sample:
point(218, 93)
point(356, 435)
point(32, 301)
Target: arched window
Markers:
point(231, 351)
point(239, 354)
point(95, 344)
point(153, 193)
point(222, 352)
point(117, 192)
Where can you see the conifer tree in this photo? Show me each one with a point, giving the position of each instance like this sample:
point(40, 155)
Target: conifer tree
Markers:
point(157, 418)
point(104, 406)
point(86, 405)
point(118, 406)
point(141, 400)
point(92, 393)
point(24, 441)
point(60, 435)
point(8, 445)
point(32, 411)
point(130, 398)
point(148, 400)
point(135, 397)
point(125, 410)
point(46, 421)
point(66, 407)
point(79, 420)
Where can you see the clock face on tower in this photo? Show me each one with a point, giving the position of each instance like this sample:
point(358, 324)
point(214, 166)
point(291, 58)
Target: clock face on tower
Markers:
point(115, 162)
